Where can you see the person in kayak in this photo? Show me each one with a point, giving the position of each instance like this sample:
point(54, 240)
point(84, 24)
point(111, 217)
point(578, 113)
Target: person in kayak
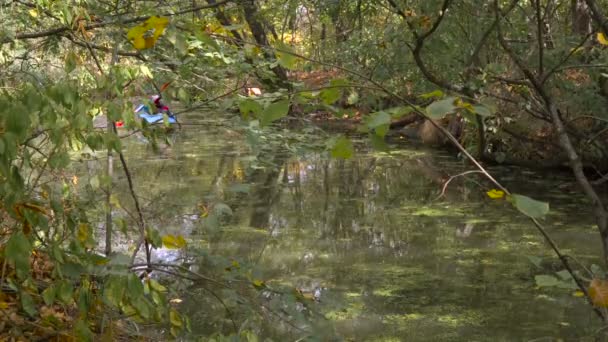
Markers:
point(160, 107)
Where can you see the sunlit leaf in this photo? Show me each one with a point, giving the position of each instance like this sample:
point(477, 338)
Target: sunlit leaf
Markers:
point(601, 38)
point(495, 194)
point(530, 207)
point(434, 94)
point(145, 35)
point(173, 241)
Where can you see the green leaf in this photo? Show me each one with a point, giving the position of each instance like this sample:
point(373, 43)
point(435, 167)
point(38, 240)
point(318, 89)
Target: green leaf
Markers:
point(378, 143)
point(142, 307)
point(545, 280)
point(250, 106)
point(18, 250)
point(332, 94)
point(154, 237)
point(28, 305)
point(439, 109)
point(286, 56)
point(530, 207)
point(135, 289)
point(342, 148)
point(65, 292)
point(48, 295)
point(114, 290)
point(70, 62)
point(378, 119)
point(156, 286)
point(482, 110)
point(175, 318)
point(205, 39)
point(82, 331)
point(274, 111)
point(59, 160)
point(434, 94)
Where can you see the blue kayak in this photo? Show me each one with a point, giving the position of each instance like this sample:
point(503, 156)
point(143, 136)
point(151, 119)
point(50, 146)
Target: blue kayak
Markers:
point(144, 112)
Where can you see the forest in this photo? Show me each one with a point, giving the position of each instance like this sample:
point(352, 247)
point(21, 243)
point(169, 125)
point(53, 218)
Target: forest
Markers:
point(303, 170)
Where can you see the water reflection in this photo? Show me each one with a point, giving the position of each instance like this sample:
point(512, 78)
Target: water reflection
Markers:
point(393, 259)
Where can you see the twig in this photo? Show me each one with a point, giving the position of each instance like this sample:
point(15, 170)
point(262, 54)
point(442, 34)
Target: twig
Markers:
point(445, 185)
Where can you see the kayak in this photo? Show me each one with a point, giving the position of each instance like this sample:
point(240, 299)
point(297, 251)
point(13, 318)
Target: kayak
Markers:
point(144, 113)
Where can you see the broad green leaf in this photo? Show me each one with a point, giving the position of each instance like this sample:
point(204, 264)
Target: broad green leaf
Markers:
point(439, 109)
point(142, 307)
point(82, 331)
point(378, 119)
point(250, 106)
point(135, 288)
point(65, 292)
point(285, 55)
point(342, 148)
point(378, 143)
point(157, 286)
point(530, 207)
point(333, 93)
point(48, 295)
point(59, 160)
point(114, 290)
point(154, 237)
point(274, 112)
point(482, 110)
point(175, 318)
point(329, 95)
point(70, 62)
point(545, 280)
point(27, 304)
point(18, 250)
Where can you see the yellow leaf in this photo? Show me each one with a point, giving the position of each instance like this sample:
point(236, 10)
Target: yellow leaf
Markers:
point(3, 305)
point(33, 13)
point(145, 35)
point(578, 293)
point(174, 242)
point(259, 283)
point(602, 39)
point(598, 291)
point(83, 233)
point(496, 194)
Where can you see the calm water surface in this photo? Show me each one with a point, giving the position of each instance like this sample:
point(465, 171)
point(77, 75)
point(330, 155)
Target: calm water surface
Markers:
point(390, 259)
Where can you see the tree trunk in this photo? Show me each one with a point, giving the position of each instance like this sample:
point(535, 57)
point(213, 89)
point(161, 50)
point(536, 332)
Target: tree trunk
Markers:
point(252, 17)
point(581, 17)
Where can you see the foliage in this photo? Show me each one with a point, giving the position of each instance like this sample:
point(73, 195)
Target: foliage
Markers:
point(66, 65)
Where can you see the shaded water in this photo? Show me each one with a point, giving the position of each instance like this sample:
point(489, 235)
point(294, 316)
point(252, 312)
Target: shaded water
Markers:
point(389, 259)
